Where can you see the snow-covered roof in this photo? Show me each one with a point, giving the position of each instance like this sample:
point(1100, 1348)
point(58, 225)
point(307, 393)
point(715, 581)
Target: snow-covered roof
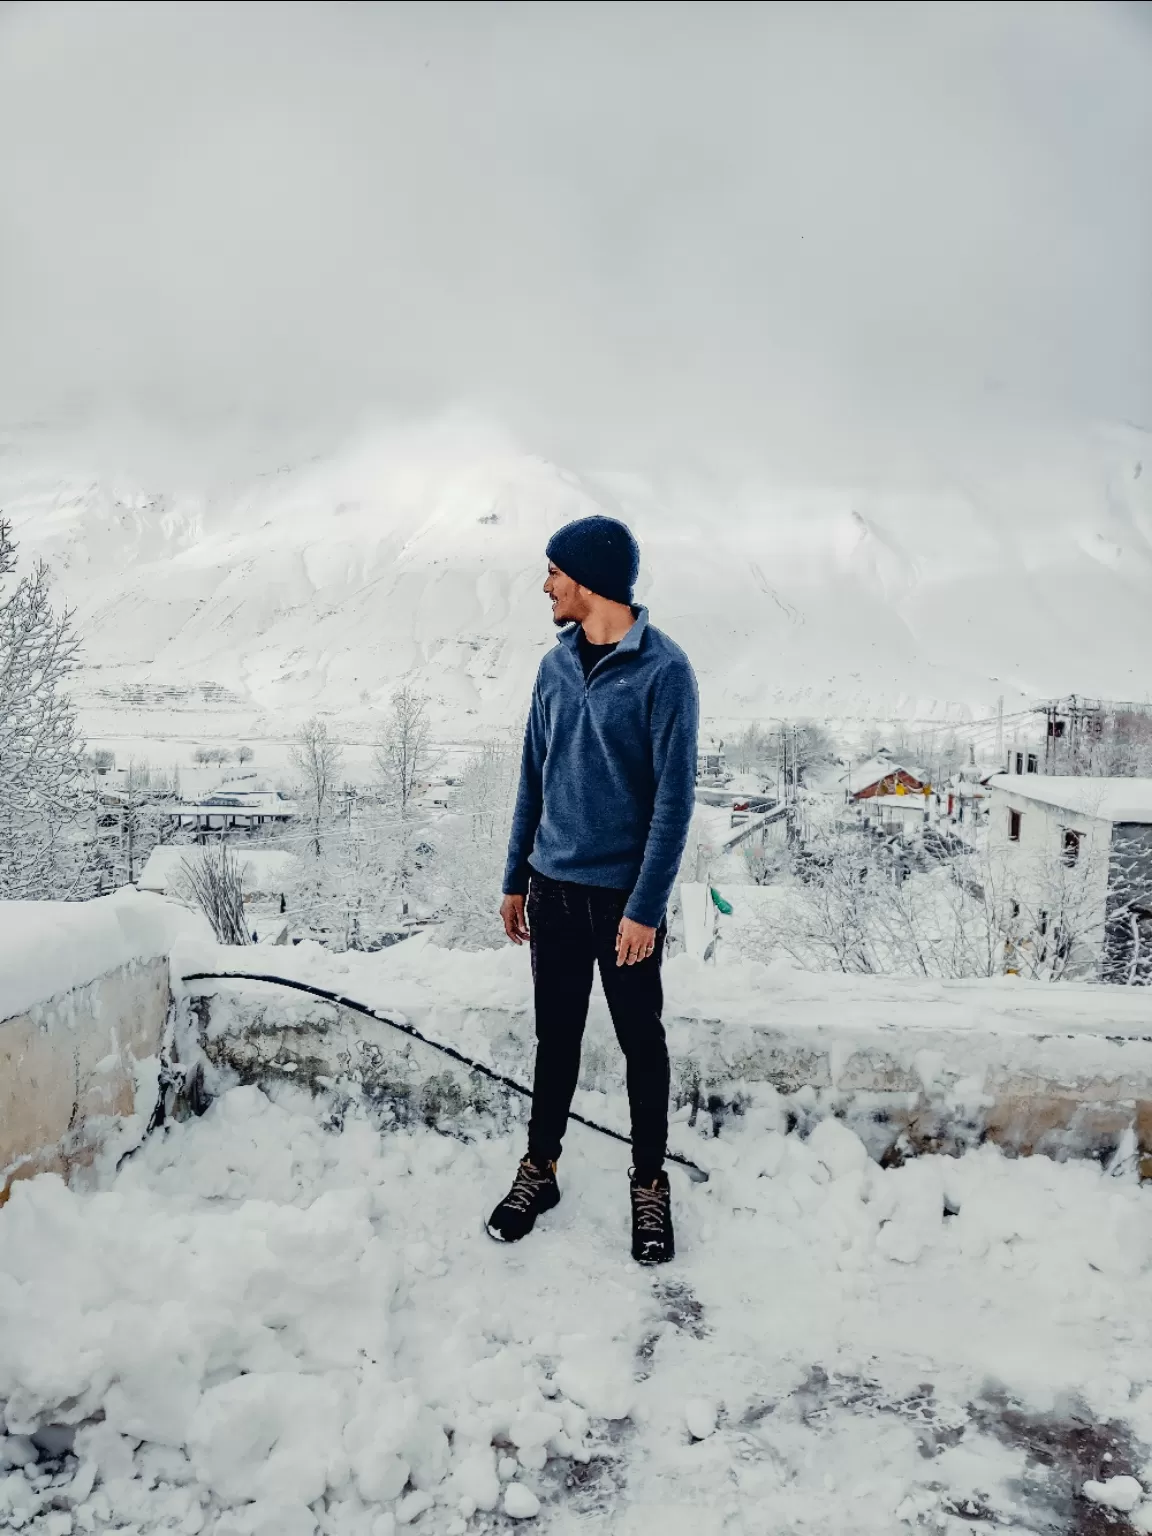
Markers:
point(966, 788)
point(262, 869)
point(221, 803)
point(1107, 799)
point(909, 802)
point(859, 776)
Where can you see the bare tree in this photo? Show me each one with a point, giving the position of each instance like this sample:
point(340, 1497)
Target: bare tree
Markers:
point(467, 873)
point(41, 754)
point(856, 903)
point(244, 754)
point(319, 761)
point(213, 879)
point(403, 749)
point(403, 759)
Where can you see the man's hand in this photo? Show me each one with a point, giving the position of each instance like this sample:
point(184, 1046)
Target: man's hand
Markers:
point(512, 916)
point(633, 942)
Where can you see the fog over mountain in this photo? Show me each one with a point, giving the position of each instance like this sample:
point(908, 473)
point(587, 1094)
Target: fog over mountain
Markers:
point(847, 308)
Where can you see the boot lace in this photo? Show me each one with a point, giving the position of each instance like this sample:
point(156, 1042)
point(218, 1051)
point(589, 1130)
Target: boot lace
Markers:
point(650, 1205)
point(527, 1184)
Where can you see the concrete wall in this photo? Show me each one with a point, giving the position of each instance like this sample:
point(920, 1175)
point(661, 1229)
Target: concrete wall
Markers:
point(68, 1068)
point(905, 1090)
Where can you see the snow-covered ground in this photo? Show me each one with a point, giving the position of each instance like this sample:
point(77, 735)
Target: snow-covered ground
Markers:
point(266, 1324)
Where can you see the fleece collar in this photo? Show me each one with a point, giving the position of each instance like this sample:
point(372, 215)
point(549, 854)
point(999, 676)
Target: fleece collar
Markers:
point(570, 634)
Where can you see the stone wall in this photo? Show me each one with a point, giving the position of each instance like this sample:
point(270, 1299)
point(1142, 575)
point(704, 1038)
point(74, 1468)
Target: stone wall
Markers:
point(68, 1068)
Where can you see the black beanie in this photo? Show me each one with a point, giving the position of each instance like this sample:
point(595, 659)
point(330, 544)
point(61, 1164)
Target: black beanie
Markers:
point(599, 553)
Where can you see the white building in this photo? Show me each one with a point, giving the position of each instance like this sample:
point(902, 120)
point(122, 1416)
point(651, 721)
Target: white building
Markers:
point(900, 815)
point(1073, 857)
point(234, 810)
point(711, 763)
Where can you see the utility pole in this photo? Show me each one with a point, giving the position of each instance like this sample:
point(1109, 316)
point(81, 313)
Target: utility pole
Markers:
point(782, 761)
point(1000, 731)
point(96, 851)
point(795, 766)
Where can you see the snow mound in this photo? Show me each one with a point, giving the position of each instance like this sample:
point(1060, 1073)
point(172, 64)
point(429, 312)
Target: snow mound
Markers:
point(49, 947)
point(263, 1325)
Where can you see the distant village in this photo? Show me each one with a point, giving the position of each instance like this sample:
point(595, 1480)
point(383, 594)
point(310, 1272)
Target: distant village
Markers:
point(1070, 792)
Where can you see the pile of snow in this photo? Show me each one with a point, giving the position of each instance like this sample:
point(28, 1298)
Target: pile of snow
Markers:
point(49, 947)
point(266, 1326)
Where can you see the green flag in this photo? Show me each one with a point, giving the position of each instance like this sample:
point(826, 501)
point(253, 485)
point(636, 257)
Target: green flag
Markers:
point(719, 902)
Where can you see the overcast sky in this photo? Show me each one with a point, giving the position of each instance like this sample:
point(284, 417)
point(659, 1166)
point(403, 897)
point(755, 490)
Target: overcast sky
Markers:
point(635, 235)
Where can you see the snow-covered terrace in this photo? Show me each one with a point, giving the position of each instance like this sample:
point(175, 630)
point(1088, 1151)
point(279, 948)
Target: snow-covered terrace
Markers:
point(283, 1318)
point(1108, 799)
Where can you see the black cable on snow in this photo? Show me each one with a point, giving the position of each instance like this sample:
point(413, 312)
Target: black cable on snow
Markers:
point(697, 1174)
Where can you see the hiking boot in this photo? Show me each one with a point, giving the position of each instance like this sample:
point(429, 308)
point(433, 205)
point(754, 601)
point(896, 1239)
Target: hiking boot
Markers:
point(653, 1241)
point(534, 1191)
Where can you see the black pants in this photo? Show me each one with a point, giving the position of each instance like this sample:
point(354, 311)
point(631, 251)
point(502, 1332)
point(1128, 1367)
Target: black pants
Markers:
point(573, 928)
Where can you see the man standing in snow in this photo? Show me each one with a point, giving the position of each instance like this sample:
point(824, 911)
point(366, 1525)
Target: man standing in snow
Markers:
point(606, 796)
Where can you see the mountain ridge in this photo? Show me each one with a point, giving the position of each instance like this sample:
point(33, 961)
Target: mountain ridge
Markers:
point(420, 558)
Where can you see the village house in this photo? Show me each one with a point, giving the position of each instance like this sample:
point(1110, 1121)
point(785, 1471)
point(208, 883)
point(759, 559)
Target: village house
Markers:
point(236, 807)
point(1025, 755)
point(881, 776)
point(895, 814)
point(711, 763)
point(1074, 856)
point(965, 798)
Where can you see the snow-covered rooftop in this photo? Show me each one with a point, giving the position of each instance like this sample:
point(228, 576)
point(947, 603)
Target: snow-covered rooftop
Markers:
point(1108, 799)
point(859, 776)
point(262, 869)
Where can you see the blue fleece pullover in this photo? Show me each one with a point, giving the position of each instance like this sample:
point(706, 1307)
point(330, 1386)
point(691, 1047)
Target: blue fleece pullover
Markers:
point(609, 769)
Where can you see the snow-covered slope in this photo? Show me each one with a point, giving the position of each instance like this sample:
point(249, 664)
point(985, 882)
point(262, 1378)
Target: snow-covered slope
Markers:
point(420, 556)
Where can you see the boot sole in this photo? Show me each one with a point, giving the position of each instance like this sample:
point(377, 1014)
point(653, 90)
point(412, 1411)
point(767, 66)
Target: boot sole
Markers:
point(651, 1263)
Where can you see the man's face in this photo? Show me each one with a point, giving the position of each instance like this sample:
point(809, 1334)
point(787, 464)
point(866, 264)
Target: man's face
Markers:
point(569, 599)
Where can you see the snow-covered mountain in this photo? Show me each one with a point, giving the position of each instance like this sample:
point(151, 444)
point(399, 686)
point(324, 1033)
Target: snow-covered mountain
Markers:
point(420, 556)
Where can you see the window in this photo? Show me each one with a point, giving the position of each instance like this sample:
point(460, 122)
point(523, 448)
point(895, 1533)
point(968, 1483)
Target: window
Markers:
point(1071, 847)
point(1019, 762)
point(1033, 766)
point(1014, 819)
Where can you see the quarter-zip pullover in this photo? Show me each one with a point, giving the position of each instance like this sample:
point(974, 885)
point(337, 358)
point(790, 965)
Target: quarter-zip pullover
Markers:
point(608, 770)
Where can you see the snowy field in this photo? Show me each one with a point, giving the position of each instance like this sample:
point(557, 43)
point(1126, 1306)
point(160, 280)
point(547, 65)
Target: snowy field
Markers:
point(269, 1324)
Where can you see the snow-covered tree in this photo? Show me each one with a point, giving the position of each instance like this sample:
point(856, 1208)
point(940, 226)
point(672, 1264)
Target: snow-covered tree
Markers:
point(403, 754)
point(319, 762)
point(403, 759)
point(468, 871)
point(854, 903)
point(41, 755)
